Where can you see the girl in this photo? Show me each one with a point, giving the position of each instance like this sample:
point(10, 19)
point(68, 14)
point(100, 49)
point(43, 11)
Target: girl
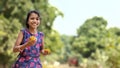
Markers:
point(30, 48)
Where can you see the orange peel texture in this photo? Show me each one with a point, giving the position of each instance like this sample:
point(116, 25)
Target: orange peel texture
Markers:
point(47, 50)
point(32, 38)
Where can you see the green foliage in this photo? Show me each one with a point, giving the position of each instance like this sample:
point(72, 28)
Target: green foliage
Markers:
point(92, 27)
point(56, 44)
point(66, 49)
point(12, 20)
point(89, 34)
point(10, 30)
point(93, 41)
point(98, 44)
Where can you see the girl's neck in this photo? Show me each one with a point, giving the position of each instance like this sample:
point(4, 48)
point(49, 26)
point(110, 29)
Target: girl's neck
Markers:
point(32, 31)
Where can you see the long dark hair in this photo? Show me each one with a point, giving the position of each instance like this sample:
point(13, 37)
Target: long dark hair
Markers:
point(28, 15)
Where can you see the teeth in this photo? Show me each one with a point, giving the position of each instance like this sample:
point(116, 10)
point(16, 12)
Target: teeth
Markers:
point(34, 24)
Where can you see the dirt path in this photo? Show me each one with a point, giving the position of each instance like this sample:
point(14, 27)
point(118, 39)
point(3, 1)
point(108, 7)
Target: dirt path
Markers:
point(65, 66)
point(58, 66)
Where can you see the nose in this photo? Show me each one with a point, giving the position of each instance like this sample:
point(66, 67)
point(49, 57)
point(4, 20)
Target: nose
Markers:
point(35, 21)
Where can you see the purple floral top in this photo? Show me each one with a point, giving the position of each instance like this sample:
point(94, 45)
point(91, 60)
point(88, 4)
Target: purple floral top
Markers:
point(29, 57)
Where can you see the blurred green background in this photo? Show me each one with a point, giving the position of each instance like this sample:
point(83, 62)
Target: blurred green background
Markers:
point(94, 46)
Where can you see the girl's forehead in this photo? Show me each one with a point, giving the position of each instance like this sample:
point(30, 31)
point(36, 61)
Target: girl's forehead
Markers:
point(34, 15)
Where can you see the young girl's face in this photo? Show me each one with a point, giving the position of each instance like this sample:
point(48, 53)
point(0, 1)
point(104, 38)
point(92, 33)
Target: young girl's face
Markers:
point(33, 21)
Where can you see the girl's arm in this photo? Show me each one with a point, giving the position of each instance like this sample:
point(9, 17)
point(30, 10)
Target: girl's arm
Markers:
point(42, 47)
point(17, 47)
point(43, 51)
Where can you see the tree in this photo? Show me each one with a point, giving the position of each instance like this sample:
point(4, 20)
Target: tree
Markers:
point(14, 15)
point(10, 30)
point(88, 36)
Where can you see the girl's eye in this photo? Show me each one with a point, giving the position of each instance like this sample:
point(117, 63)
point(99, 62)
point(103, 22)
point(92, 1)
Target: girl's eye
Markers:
point(37, 19)
point(34, 18)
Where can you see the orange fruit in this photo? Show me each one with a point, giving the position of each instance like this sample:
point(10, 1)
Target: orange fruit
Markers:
point(47, 50)
point(32, 38)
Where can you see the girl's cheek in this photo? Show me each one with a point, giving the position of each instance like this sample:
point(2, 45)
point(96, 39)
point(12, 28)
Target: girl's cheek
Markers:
point(38, 23)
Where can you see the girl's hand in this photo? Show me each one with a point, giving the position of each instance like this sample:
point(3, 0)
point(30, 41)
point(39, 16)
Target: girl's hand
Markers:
point(32, 40)
point(46, 51)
